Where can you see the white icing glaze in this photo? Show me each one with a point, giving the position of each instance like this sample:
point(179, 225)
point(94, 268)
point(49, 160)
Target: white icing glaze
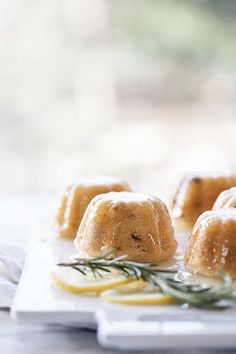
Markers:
point(210, 215)
point(125, 197)
point(226, 199)
point(98, 181)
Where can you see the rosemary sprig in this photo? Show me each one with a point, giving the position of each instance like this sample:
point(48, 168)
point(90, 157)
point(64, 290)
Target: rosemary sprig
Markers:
point(217, 297)
point(162, 279)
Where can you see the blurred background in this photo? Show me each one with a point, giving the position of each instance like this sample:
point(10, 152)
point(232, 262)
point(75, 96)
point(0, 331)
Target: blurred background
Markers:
point(143, 89)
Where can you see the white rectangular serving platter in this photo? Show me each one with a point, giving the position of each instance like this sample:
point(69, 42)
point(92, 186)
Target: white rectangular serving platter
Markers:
point(118, 326)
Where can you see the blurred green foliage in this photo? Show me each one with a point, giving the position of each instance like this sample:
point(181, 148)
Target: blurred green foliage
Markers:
point(198, 31)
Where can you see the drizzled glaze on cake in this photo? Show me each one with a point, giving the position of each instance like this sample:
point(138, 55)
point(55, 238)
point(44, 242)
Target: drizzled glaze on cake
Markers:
point(126, 223)
point(212, 245)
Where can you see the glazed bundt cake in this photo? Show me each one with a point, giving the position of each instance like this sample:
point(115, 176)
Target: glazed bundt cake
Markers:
point(197, 193)
point(212, 245)
point(77, 197)
point(126, 223)
point(226, 199)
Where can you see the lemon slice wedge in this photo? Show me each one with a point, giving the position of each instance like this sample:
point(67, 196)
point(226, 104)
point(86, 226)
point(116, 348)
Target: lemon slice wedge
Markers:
point(74, 282)
point(136, 293)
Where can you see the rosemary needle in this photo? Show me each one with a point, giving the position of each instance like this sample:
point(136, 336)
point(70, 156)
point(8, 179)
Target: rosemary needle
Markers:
point(161, 279)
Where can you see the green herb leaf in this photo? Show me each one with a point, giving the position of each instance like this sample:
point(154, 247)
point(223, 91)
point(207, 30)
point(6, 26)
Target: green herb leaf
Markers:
point(162, 279)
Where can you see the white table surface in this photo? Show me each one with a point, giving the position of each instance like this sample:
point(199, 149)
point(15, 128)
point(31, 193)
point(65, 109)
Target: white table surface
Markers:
point(20, 216)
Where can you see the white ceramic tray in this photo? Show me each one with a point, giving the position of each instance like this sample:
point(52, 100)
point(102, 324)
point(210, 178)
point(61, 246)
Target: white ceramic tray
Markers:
point(119, 326)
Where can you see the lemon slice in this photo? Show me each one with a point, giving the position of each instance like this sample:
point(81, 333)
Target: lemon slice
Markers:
point(74, 282)
point(136, 293)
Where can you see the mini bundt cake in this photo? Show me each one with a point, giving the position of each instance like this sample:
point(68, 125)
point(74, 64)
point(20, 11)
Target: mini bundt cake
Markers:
point(212, 245)
point(197, 193)
point(226, 199)
point(126, 223)
point(77, 197)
